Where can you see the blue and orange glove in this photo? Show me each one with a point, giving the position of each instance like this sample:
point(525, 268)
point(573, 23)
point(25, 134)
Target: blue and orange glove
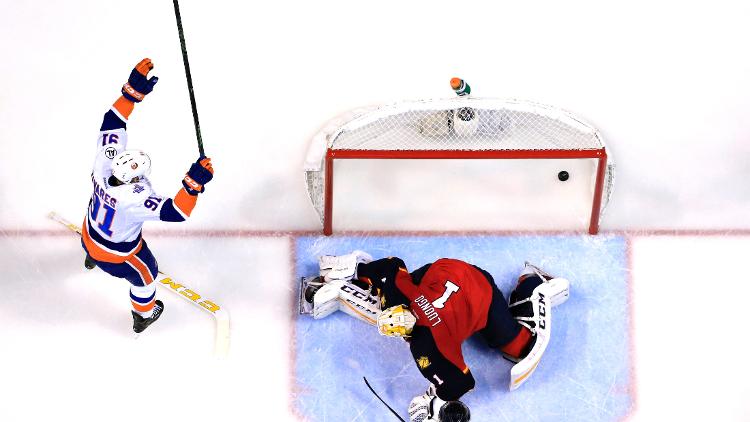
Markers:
point(138, 86)
point(200, 173)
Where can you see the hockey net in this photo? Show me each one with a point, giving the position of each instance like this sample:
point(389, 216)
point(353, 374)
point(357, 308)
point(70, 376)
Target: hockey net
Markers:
point(528, 135)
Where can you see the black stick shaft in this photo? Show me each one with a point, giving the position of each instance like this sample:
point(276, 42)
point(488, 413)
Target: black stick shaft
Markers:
point(382, 401)
point(189, 78)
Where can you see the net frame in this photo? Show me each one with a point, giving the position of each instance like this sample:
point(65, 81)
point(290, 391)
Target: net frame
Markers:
point(362, 134)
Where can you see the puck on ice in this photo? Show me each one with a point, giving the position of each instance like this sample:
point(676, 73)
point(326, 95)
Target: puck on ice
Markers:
point(563, 176)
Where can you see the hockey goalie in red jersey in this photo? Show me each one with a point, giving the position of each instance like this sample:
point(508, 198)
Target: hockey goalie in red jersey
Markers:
point(435, 309)
point(123, 200)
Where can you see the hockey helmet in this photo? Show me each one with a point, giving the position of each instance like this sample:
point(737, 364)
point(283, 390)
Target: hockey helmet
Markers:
point(454, 411)
point(131, 166)
point(396, 321)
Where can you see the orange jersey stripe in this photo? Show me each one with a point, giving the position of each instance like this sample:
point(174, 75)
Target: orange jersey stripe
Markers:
point(99, 253)
point(143, 308)
point(141, 268)
point(124, 106)
point(185, 202)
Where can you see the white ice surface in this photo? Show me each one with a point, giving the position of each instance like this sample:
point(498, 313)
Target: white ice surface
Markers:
point(690, 330)
point(68, 350)
point(665, 82)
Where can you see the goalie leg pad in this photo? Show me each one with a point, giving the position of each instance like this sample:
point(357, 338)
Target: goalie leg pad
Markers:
point(358, 303)
point(559, 287)
point(326, 300)
point(531, 305)
point(320, 299)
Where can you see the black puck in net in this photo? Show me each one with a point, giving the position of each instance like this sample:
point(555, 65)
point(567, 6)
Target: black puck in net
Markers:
point(563, 176)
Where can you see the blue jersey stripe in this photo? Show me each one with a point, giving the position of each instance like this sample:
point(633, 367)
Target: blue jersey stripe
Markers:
point(169, 212)
point(112, 121)
point(142, 299)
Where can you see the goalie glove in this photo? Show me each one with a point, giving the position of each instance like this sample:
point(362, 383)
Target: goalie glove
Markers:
point(342, 267)
point(430, 408)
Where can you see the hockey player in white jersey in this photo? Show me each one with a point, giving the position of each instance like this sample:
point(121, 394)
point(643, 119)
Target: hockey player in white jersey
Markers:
point(123, 200)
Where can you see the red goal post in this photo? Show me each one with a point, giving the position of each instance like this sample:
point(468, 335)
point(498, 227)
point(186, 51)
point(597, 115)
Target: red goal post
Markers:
point(456, 128)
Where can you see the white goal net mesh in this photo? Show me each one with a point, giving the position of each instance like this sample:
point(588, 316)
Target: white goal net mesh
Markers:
point(456, 124)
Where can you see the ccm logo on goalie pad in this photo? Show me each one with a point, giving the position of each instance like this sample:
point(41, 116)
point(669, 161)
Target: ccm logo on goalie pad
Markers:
point(346, 288)
point(542, 312)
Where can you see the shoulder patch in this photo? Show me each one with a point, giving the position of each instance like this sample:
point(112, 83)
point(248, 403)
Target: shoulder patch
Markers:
point(423, 362)
point(110, 152)
point(138, 188)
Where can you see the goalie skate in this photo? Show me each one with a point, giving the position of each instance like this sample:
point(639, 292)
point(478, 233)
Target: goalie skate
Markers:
point(308, 286)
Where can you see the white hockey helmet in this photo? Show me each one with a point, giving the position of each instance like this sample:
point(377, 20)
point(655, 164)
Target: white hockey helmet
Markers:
point(396, 321)
point(131, 165)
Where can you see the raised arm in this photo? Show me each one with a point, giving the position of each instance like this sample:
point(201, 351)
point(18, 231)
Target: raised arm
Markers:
point(115, 119)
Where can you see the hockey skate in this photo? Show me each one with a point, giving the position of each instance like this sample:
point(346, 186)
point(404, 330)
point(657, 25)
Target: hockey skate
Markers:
point(89, 262)
point(141, 323)
point(531, 305)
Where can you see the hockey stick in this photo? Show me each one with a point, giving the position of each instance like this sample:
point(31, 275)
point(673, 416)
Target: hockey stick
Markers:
point(221, 342)
point(383, 401)
point(189, 78)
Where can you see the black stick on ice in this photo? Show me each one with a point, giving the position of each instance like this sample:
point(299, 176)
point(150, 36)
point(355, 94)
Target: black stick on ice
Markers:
point(189, 78)
point(383, 401)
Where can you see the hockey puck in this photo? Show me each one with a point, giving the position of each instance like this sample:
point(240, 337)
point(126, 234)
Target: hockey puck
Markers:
point(563, 176)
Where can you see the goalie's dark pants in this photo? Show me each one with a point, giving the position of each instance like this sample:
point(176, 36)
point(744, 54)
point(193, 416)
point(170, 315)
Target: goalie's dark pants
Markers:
point(501, 327)
point(450, 381)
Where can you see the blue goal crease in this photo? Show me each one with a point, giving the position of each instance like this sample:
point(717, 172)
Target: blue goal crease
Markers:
point(583, 376)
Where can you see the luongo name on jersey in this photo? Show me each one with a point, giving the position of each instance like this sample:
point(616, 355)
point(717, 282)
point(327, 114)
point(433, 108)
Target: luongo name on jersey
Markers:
point(452, 300)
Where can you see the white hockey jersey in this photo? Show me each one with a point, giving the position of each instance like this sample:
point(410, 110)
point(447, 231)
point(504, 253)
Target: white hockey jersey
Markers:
point(112, 227)
point(117, 212)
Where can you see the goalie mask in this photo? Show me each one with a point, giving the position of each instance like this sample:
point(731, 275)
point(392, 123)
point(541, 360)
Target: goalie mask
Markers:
point(396, 321)
point(130, 166)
